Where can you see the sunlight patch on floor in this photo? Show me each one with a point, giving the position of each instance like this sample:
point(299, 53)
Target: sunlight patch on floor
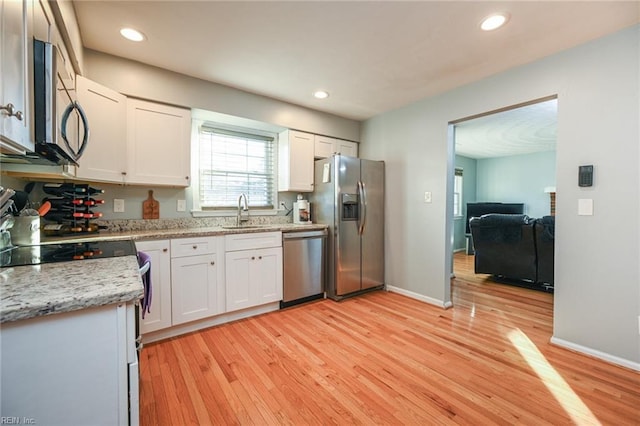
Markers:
point(559, 388)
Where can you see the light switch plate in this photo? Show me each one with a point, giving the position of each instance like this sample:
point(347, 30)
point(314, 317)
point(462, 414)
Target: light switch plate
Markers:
point(118, 205)
point(427, 197)
point(182, 206)
point(585, 207)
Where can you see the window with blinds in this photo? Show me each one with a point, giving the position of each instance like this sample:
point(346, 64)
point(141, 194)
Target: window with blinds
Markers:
point(232, 163)
point(457, 193)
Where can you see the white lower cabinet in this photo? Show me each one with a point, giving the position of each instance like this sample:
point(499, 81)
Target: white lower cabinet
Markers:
point(198, 281)
point(197, 289)
point(159, 316)
point(268, 275)
point(72, 368)
point(253, 273)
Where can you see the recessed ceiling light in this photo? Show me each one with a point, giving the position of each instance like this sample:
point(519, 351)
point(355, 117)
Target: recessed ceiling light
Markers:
point(131, 34)
point(493, 22)
point(321, 94)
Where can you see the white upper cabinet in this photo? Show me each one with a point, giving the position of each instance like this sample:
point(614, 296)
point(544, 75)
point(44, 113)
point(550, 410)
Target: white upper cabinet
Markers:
point(295, 161)
point(325, 146)
point(14, 134)
point(158, 143)
point(41, 20)
point(133, 141)
point(104, 158)
point(347, 148)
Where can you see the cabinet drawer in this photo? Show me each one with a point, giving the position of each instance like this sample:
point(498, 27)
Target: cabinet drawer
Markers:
point(250, 241)
point(195, 246)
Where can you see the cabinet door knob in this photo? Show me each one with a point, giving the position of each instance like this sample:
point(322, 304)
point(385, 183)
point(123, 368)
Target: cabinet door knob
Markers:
point(164, 250)
point(259, 257)
point(10, 108)
point(213, 263)
point(253, 258)
point(195, 247)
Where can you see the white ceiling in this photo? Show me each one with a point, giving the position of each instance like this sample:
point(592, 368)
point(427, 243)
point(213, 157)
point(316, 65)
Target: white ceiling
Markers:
point(371, 56)
point(525, 130)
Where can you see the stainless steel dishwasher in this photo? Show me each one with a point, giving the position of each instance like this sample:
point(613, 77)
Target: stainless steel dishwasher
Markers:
point(304, 266)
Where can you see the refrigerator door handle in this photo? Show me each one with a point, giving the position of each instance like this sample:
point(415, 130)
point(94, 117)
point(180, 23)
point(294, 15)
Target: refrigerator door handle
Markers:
point(363, 206)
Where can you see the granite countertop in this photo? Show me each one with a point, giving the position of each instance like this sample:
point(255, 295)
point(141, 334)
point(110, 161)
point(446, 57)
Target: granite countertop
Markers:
point(33, 291)
point(187, 232)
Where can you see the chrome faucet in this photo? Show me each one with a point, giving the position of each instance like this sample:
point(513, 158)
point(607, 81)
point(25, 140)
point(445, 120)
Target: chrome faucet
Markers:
point(240, 218)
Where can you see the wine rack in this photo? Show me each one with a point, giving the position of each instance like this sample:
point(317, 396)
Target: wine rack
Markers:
point(72, 209)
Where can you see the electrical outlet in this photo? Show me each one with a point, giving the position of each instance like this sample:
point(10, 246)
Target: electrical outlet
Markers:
point(182, 206)
point(427, 197)
point(118, 205)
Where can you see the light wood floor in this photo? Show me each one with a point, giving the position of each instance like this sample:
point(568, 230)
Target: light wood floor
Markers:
point(383, 358)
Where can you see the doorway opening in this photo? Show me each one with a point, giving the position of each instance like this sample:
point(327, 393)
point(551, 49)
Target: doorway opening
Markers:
point(504, 162)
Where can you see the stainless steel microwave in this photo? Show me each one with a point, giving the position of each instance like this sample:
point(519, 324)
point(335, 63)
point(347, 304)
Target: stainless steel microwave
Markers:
point(60, 126)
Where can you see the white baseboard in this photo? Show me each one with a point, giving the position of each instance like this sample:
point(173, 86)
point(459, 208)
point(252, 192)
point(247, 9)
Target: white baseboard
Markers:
point(596, 353)
point(419, 297)
point(178, 330)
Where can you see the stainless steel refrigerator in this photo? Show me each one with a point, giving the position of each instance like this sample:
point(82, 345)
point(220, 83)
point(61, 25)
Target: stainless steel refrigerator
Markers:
point(349, 197)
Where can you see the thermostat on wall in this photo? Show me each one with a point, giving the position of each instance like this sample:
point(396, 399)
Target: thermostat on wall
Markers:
point(585, 175)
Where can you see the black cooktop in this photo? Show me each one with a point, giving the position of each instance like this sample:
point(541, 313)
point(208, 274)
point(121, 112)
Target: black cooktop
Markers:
point(65, 252)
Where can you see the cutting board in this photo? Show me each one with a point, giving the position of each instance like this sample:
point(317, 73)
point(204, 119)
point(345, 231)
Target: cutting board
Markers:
point(150, 208)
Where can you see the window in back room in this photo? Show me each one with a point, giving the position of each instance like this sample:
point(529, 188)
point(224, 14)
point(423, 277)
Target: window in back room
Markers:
point(457, 193)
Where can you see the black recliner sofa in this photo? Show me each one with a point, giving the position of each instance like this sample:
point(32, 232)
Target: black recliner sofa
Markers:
point(514, 247)
point(545, 230)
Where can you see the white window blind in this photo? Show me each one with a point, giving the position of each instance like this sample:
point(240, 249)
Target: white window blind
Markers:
point(232, 163)
point(457, 193)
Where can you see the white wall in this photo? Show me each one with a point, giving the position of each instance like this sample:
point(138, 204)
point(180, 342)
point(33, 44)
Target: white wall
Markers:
point(139, 80)
point(518, 179)
point(597, 298)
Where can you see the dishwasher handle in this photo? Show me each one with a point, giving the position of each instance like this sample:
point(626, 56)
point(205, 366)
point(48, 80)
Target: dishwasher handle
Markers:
point(304, 235)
